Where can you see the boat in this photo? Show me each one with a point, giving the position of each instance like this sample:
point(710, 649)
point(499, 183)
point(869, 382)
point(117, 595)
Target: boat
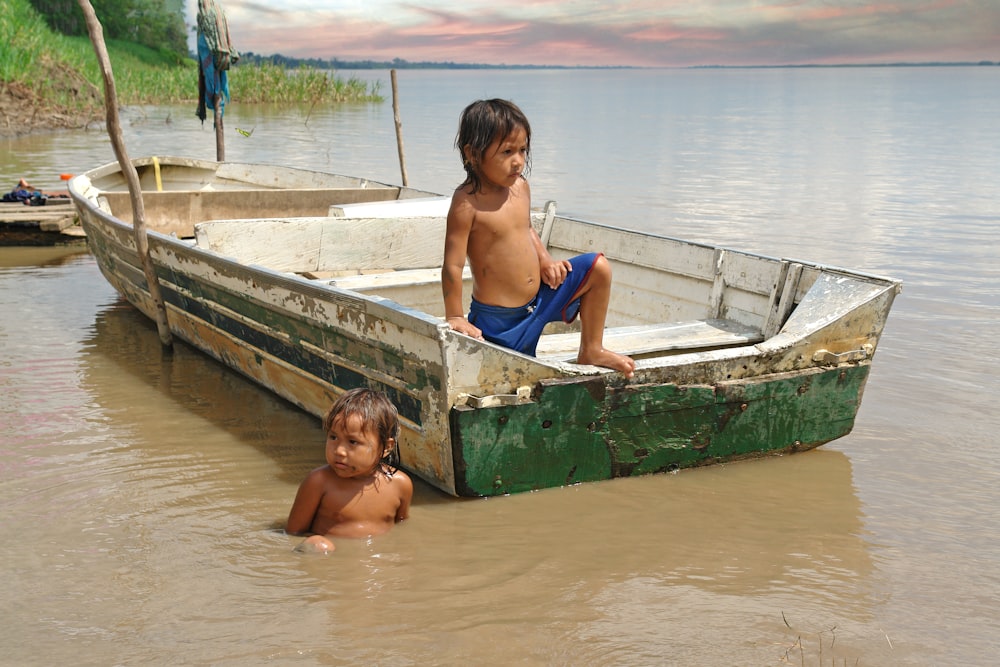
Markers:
point(310, 284)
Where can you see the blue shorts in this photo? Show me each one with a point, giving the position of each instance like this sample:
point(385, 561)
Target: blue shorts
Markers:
point(520, 328)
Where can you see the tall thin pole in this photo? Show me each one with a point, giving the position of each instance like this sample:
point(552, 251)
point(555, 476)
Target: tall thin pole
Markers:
point(128, 169)
point(220, 140)
point(399, 126)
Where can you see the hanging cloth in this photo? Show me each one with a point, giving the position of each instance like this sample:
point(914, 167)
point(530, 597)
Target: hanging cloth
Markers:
point(215, 55)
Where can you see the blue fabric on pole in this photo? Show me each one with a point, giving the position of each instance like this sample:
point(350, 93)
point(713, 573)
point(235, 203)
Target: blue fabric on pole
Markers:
point(216, 80)
point(215, 55)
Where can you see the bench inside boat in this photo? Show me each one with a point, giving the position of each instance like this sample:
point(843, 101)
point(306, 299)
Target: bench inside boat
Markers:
point(176, 211)
point(669, 296)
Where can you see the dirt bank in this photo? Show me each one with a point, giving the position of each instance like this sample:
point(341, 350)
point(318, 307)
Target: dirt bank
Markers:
point(24, 110)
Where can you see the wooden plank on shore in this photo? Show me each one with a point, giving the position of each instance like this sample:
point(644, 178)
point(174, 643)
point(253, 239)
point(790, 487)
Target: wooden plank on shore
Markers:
point(21, 213)
point(32, 225)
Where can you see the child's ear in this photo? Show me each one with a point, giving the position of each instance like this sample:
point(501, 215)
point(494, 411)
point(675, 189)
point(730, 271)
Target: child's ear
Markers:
point(390, 445)
point(468, 154)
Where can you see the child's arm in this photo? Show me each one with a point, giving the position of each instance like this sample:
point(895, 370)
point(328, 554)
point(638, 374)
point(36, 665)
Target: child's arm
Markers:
point(300, 517)
point(456, 243)
point(405, 494)
point(553, 272)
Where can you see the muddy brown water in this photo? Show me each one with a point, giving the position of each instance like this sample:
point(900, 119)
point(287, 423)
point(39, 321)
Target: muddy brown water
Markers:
point(143, 493)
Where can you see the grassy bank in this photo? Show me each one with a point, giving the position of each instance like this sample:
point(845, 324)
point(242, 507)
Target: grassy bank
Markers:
point(63, 73)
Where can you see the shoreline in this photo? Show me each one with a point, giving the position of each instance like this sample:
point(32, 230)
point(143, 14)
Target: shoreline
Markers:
point(22, 112)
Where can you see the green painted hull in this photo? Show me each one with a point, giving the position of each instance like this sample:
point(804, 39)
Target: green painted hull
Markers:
point(584, 431)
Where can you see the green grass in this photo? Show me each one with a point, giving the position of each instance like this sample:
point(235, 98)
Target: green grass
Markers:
point(64, 71)
point(22, 38)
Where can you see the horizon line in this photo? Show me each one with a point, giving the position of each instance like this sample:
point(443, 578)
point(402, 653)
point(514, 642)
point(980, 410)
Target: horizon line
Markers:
point(371, 63)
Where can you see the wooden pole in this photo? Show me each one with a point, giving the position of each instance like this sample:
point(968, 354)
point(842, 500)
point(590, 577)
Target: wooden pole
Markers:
point(128, 169)
point(399, 126)
point(220, 141)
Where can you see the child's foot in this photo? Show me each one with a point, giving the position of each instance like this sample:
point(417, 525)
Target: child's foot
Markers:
point(609, 359)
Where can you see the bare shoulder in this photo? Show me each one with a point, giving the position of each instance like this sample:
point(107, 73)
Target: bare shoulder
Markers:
point(462, 212)
point(402, 483)
point(320, 475)
point(522, 186)
point(463, 201)
point(319, 481)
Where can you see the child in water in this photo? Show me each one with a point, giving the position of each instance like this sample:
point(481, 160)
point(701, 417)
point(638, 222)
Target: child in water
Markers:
point(518, 287)
point(358, 492)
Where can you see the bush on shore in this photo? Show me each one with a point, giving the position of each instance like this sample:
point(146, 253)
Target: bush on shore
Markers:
point(52, 75)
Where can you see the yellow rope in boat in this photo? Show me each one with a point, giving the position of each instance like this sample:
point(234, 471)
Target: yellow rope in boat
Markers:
point(156, 170)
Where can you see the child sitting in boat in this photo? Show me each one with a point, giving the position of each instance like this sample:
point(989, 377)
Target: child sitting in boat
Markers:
point(359, 492)
point(518, 287)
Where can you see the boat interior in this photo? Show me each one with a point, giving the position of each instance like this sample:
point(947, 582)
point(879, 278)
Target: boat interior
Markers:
point(669, 296)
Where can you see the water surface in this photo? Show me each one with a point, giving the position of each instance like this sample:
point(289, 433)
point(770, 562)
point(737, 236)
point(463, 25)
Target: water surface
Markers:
point(143, 493)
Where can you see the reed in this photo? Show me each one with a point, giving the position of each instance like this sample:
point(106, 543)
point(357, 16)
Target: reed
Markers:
point(270, 83)
point(795, 652)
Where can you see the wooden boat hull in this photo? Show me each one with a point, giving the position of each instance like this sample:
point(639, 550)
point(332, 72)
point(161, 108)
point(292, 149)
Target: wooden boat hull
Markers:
point(477, 419)
point(585, 431)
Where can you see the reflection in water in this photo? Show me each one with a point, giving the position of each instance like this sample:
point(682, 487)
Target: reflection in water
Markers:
point(124, 359)
point(203, 465)
point(140, 492)
point(31, 257)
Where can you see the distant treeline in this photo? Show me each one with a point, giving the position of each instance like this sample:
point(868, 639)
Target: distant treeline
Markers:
point(981, 63)
point(252, 58)
point(287, 62)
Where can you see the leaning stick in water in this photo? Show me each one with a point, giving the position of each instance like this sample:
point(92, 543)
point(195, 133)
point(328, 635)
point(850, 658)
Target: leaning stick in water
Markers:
point(128, 169)
point(399, 126)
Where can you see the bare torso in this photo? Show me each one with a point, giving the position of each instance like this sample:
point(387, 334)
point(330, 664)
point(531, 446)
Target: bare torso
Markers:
point(357, 508)
point(501, 250)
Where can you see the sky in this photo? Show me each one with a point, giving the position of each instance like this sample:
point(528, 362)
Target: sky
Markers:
point(645, 33)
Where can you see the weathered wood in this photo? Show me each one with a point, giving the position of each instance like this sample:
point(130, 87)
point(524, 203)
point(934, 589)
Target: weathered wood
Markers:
point(374, 282)
point(399, 128)
point(423, 206)
point(220, 135)
point(61, 227)
point(477, 418)
point(321, 244)
point(135, 192)
point(655, 338)
point(34, 216)
point(176, 212)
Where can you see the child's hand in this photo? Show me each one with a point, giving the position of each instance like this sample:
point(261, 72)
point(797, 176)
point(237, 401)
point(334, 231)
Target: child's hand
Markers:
point(554, 274)
point(464, 326)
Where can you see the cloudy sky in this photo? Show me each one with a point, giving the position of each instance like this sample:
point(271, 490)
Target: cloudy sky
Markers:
point(629, 32)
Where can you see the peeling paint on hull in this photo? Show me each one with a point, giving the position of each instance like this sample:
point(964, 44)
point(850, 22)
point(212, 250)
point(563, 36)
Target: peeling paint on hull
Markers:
point(780, 355)
point(570, 434)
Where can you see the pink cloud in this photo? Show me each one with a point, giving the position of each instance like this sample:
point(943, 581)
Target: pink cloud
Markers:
point(668, 34)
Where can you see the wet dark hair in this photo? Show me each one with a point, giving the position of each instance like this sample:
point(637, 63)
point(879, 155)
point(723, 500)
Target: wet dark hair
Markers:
point(482, 123)
point(377, 414)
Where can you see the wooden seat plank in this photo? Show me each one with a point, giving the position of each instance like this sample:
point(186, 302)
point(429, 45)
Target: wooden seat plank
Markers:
point(653, 338)
point(403, 278)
